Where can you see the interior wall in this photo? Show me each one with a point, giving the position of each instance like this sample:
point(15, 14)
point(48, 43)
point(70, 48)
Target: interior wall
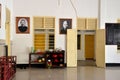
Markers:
point(23, 42)
point(2, 29)
point(112, 54)
point(59, 9)
point(86, 8)
point(110, 12)
point(81, 52)
point(6, 4)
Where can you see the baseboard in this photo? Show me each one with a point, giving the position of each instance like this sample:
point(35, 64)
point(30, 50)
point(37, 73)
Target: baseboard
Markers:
point(112, 64)
point(24, 66)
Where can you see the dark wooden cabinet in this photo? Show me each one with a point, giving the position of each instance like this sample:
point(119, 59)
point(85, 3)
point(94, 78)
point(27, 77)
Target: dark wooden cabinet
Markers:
point(55, 59)
point(36, 58)
point(49, 59)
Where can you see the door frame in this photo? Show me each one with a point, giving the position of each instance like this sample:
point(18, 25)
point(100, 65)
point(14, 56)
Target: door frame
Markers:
point(81, 52)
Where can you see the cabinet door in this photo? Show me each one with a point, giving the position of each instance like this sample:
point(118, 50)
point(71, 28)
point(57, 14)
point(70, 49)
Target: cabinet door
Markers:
point(91, 24)
point(49, 22)
point(81, 24)
point(71, 48)
point(38, 22)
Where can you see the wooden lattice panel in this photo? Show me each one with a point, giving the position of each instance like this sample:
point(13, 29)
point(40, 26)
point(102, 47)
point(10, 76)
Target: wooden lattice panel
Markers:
point(38, 22)
point(91, 24)
point(39, 42)
point(49, 22)
point(81, 23)
point(51, 41)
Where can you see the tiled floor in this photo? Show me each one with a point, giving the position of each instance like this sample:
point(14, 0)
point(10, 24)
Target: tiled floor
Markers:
point(79, 73)
point(86, 63)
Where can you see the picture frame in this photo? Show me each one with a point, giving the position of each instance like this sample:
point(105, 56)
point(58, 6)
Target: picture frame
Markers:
point(64, 24)
point(0, 14)
point(22, 25)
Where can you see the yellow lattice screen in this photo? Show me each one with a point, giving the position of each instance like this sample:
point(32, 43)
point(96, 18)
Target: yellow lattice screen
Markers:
point(39, 42)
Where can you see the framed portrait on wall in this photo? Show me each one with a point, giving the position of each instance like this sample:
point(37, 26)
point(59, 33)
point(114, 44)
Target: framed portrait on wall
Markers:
point(0, 14)
point(64, 24)
point(22, 25)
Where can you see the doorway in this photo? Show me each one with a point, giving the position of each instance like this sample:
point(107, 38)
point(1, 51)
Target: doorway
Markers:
point(86, 48)
point(72, 51)
point(89, 47)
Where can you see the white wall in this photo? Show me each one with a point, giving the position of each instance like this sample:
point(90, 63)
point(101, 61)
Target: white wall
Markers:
point(110, 12)
point(57, 8)
point(85, 9)
point(2, 29)
point(60, 9)
point(4, 4)
point(112, 54)
point(28, 8)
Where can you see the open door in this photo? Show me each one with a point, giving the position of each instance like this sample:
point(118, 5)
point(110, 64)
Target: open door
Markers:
point(89, 47)
point(100, 48)
point(71, 48)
